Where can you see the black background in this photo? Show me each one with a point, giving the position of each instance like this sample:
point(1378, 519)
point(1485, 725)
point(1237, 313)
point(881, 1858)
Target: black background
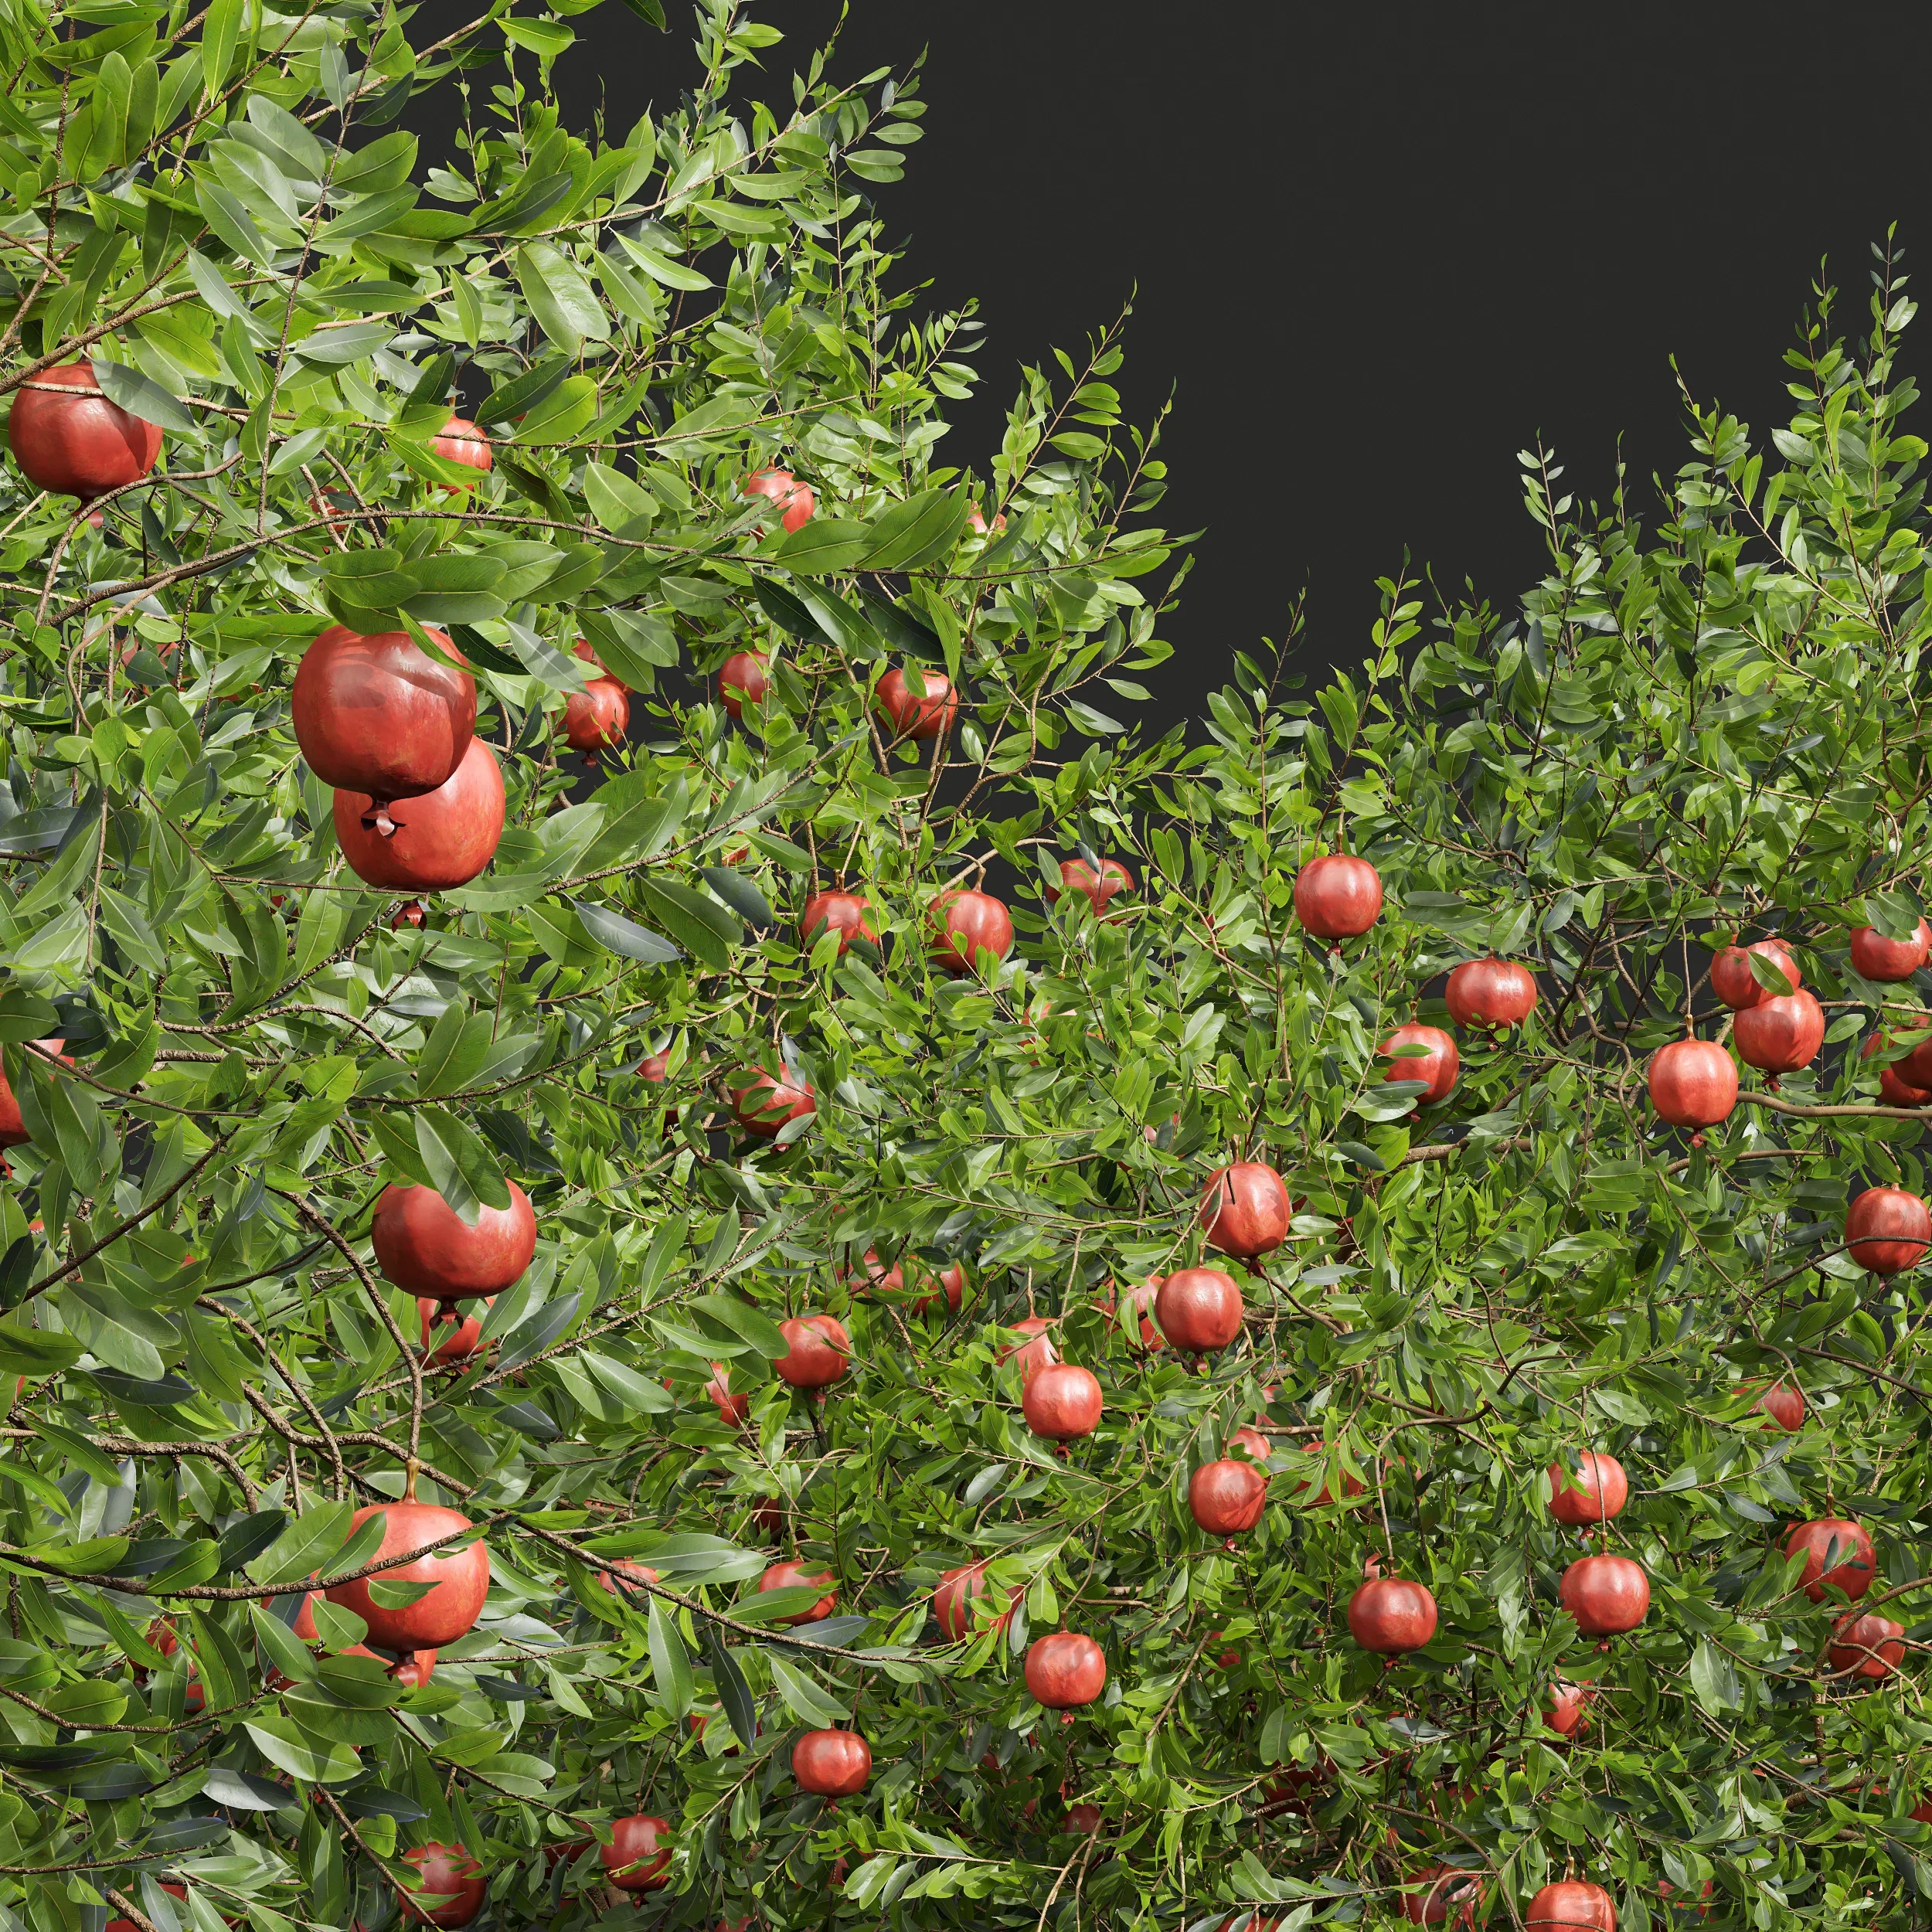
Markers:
point(1374, 251)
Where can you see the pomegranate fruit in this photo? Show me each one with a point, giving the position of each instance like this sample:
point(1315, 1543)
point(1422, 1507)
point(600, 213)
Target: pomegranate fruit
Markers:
point(1062, 1401)
point(1245, 1209)
point(1199, 1309)
point(1783, 1402)
point(627, 1584)
point(1897, 1085)
point(459, 441)
point(789, 1576)
point(966, 924)
point(743, 679)
point(446, 1872)
point(950, 1294)
point(1084, 1819)
point(1780, 1035)
point(1571, 1905)
point(1064, 1671)
point(1693, 1083)
point(1037, 1351)
point(1440, 1894)
point(1887, 1230)
point(733, 1410)
point(1842, 1542)
point(459, 1578)
point(831, 1763)
point(1568, 1714)
point(953, 1600)
point(1869, 1646)
point(1736, 985)
point(1227, 1498)
point(426, 1248)
point(1598, 1489)
point(1391, 1616)
point(763, 1104)
point(845, 913)
point(68, 438)
point(583, 649)
point(1606, 1594)
point(920, 718)
point(439, 840)
point(1097, 888)
point(638, 1857)
point(792, 500)
point(1141, 1299)
point(819, 1353)
point(461, 1331)
point(595, 717)
point(1436, 1067)
point(1875, 957)
point(1337, 896)
point(13, 1129)
point(1491, 994)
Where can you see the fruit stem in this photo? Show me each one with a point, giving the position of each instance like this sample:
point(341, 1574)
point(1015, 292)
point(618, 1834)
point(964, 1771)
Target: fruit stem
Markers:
point(409, 1468)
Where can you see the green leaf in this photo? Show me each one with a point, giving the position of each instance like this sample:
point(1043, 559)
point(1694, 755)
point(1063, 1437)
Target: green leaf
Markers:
point(670, 1664)
point(826, 546)
point(302, 1550)
point(803, 1697)
point(611, 929)
point(695, 920)
point(660, 267)
point(313, 1760)
point(460, 1165)
point(139, 397)
point(566, 306)
point(917, 531)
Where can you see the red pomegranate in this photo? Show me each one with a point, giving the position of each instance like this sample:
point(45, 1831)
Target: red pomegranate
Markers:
point(459, 1578)
point(584, 650)
point(1253, 1442)
point(638, 1574)
point(1199, 1309)
point(791, 1575)
point(1245, 1209)
point(1391, 1615)
point(764, 1104)
point(377, 715)
point(1227, 1497)
point(425, 1247)
point(1888, 1230)
point(1868, 1646)
point(1875, 957)
point(1491, 994)
point(440, 840)
point(1568, 1713)
point(733, 1410)
point(976, 521)
point(950, 1294)
point(448, 1872)
point(1437, 1066)
point(1084, 1819)
point(1736, 985)
point(794, 500)
point(654, 1067)
point(965, 925)
point(595, 717)
point(922, 717)
point(846, 914)
point(1606, 1594)
point(1693, 1083)
point(13, 1129)
point(831, 1763)
point(638, 1857)
point(459, 441)
point(953, 1600)
point(68, 438)
point(1065, 1671)
point(1571, 1905)
point(1062, 1401)
point(1598, 1490)
point(1441, 1893)
point(819, 1352)
point(1037, 1351)
point(1842, 1542)
point(1140, 1298)
point(743, 679)
point(1897, 1086)
point(1097, 888)
point(460, 1332)
point(1779, 1036)
point(1783, 1402)
point(1338, 897)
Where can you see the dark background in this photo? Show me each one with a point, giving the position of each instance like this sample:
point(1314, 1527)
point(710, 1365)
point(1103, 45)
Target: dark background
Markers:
point(1374, 251)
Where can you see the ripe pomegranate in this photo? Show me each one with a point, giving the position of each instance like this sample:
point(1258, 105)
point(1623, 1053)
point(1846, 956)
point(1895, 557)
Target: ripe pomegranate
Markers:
point(1888, 1230)
point(1779, 1036)
point(976, 521)
point(639, 1575)
point(1783, 1402)
point(1252, 1440)
point(583, 649)
point(1568, 1714)
point(966, 924)
point(1199, 1309)
point(13, 1129)
point(952, 1600)
point(595, 717)
point(743, 679)
point(1736, 985)
point(1442, 1893)
point(448, 1872)
point(794, 500)
point(831, 1763)
point(654, 1067)
point(952, 1292)
point(1391, 1616)
point(1338, 897)
point(819, 1352)
point(638, 1857)
point(462, 1331)
point(1869, 1646)
point(459, 1578)
point(1491, 994)
point(846, 914)
point(733, 1410)
point(789, 1575)
point(1875, 957)
point(425, 1247)
point(459, 441)
point(439, 840)
point(1245, 1209)
point(1097, 888)
point(1693, 1083)
point(764, 1104)
point(68, 438)
point(1437, 1067)
point(1842, 1540)
point(1598, 1490)
point(1065, 1671)
point(920, 717)
point(1141, 1299)
point(1062, 1401)
point(1227, 1497)
point(1896, 1085)
point(1037, 1351)
point(1571, 1905)
point(1084, 1819)
point(1606, 1594)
